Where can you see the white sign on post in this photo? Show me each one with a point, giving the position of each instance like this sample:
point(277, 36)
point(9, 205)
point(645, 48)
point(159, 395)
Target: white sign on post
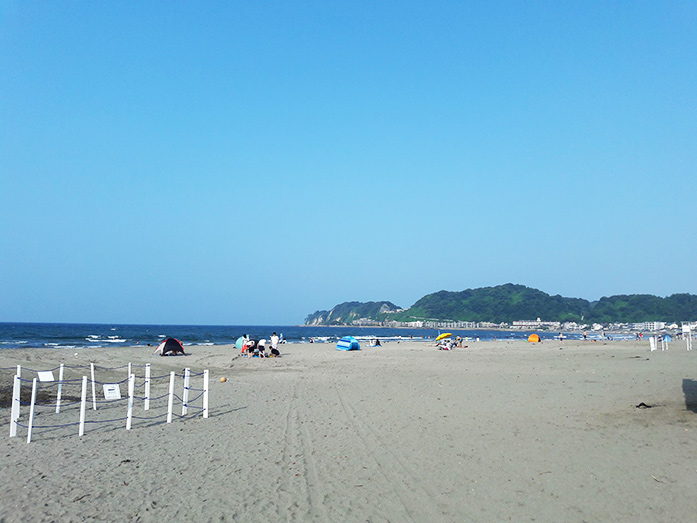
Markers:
point(112, 391)
point(46, 375)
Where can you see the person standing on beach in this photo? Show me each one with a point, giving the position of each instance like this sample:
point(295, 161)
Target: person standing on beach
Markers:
point(274, 342)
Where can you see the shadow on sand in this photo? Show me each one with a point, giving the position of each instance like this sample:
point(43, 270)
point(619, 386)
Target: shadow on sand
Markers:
point(689, 388)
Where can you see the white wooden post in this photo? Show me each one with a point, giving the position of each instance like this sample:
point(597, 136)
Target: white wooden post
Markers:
point(129, 369)
point(60, 389)
point(94, 392)
point(19, 371)
point(185, 394)
point(146, 403)
point(14, 416)
point(205, 393)
point(170, 405)
point(687, 334)
point(131, 389)
point(31, 409)
point(83, 405)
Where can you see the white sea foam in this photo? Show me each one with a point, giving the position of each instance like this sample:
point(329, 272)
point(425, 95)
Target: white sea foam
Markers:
point(59, 346)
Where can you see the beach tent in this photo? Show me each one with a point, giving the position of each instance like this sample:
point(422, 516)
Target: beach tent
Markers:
point(348, 343)
point(170, 346)
point(239, 342)
point(533, 338)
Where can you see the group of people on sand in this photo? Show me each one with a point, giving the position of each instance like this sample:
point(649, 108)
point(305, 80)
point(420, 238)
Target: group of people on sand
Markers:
point(257, 349)
point(449, 343)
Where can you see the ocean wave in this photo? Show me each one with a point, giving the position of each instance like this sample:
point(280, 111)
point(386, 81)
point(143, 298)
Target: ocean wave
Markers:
point(59, 346)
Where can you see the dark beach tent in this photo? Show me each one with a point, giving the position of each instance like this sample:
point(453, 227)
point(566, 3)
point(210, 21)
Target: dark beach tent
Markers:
point(534, 338)
point(170, 346)
point(348, 343)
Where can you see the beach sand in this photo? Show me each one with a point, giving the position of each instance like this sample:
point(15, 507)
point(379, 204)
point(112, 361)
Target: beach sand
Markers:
point(499, 431)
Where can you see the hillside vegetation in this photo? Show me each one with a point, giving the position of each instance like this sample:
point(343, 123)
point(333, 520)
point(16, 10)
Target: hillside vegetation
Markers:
point(509, 302)
point(345, 313)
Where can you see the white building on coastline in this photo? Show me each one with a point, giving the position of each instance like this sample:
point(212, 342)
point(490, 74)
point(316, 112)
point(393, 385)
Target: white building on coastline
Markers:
point(535, 324)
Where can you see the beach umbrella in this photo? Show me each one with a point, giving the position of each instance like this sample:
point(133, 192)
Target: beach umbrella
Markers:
point(444, 335)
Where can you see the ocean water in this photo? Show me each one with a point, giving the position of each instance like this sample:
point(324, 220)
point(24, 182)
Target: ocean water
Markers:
point(77, 336)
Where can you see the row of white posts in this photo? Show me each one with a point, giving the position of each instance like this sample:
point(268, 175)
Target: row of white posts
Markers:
point(686, 333)
point(14, 414)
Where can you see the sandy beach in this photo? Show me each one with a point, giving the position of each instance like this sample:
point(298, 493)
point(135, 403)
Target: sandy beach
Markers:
point(499, 431)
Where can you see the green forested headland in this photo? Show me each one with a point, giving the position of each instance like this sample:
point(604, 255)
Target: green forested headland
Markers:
point(510, 302)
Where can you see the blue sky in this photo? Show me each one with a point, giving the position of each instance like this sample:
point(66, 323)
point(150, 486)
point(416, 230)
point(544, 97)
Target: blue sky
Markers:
point(252, 162)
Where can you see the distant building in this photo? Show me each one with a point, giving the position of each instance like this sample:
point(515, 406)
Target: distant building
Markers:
point(468, 325)
point(535, 324)
point(491, 325)
point(649, 326)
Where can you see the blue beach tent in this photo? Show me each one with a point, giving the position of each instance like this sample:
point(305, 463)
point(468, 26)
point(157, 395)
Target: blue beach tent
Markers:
point(348, 343)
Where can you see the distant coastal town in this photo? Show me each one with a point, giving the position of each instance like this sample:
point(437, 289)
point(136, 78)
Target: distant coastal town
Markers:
point(527, 325)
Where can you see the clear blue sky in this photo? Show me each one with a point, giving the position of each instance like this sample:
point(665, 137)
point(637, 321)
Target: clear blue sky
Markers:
point(252, 162)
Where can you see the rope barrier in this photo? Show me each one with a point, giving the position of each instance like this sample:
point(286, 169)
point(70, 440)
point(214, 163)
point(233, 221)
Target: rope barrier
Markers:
point(106, 420)
point(52, 392)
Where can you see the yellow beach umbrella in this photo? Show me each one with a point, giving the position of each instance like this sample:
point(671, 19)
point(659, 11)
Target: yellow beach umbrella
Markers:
point(444, 335)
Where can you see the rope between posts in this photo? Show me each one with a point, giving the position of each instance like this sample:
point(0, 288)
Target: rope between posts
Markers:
point(112, 406)
point(106, 420)
point(160, 397)
point(51, 404)
point(196, 398)
point(51, 426)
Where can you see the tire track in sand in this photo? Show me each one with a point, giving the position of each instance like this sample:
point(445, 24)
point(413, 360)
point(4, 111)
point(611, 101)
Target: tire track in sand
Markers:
point(298, 466)
point(415, 497)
